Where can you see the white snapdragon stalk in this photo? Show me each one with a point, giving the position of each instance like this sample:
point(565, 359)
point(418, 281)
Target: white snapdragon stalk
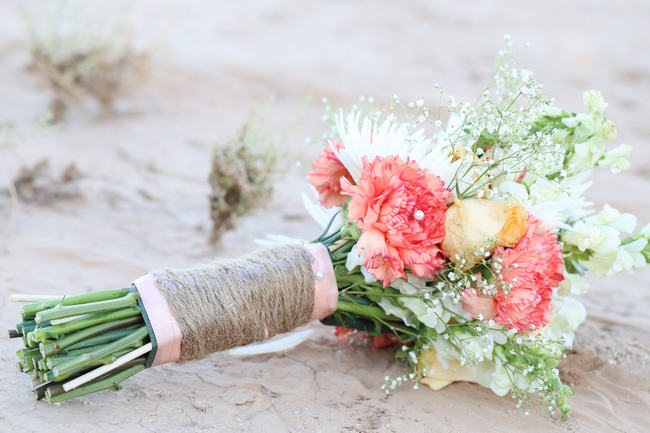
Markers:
point(554, 202)
point(609, 216)
point(598, 238)
point(601, 232)
point(616, 158)
point(625, 258)
point(590, 133)
point(587, 154)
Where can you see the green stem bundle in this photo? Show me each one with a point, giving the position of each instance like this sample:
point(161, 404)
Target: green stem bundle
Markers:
point(94, 329)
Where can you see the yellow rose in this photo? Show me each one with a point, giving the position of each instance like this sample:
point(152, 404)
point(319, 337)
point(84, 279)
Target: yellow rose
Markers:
point(436, 375)
point(474, 223)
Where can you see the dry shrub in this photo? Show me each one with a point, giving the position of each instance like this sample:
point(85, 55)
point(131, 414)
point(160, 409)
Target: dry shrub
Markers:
point(242, 175)
point(37, 184)
point(83, 53)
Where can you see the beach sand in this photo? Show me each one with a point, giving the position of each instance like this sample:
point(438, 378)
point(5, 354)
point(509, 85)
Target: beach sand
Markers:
point(141, 201)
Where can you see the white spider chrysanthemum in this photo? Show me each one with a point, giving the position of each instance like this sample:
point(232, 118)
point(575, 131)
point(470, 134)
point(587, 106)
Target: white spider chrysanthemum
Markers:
point(367, 138)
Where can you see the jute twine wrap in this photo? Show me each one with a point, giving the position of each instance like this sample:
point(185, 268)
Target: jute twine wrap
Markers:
point(234, 302)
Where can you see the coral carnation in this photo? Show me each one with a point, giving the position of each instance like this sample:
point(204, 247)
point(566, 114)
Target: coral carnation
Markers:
point(327, 175)
point(400, 209)
point(533, 267)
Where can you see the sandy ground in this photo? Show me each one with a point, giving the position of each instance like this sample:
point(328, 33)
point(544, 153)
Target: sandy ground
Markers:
point(141, 202)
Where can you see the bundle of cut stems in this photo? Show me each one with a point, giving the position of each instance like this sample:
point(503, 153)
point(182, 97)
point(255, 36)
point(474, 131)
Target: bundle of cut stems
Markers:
point(76, 345)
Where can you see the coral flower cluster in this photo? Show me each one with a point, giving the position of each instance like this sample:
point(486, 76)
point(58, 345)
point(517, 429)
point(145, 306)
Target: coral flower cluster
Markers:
point(400, 208)
point(531, 269)
point(326, 177)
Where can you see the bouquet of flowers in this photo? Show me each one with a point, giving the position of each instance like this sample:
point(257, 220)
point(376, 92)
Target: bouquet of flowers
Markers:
point(466, 248)
point(463, 246)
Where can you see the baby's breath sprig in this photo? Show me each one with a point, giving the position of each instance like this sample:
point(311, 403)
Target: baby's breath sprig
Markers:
point(530, 364)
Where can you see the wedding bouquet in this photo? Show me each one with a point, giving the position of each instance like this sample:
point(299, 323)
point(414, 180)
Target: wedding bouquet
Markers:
point(463, 245)
point(466, 247)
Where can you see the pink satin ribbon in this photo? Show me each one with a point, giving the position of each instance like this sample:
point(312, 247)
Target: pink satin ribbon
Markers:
point(163, 323)
point(326, 293)
point(168, 333)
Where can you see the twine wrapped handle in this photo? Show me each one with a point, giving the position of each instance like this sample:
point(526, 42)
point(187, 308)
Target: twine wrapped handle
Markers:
point(230, 303)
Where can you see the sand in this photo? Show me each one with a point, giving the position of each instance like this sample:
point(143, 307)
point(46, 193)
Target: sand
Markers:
point(141, 201)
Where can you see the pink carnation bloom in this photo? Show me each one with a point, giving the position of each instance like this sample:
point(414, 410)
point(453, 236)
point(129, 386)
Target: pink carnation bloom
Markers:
point(533, 266)
point(327, 175)
point(400, 209)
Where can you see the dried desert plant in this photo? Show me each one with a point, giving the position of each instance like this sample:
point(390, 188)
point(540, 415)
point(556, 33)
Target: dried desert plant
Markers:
point(82, 52)
point(242, 175)
point(12, 136)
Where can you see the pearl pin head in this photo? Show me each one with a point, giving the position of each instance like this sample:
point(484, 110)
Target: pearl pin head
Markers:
point(320, 275)
point(418, 215)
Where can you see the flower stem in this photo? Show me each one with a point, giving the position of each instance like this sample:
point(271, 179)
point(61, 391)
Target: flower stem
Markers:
point(107, 337)
point(364, 310)
point(55, 331)
point(60, 311)
point(30, 310)
point(350, 278)
point(57, 361)
point(67, 341)
point(25, 326)
point(87, 360)
point(110, 382)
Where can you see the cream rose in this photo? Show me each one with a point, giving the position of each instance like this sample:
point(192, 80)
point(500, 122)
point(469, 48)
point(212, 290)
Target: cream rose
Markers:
point(475, 223)
point(437, 375)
